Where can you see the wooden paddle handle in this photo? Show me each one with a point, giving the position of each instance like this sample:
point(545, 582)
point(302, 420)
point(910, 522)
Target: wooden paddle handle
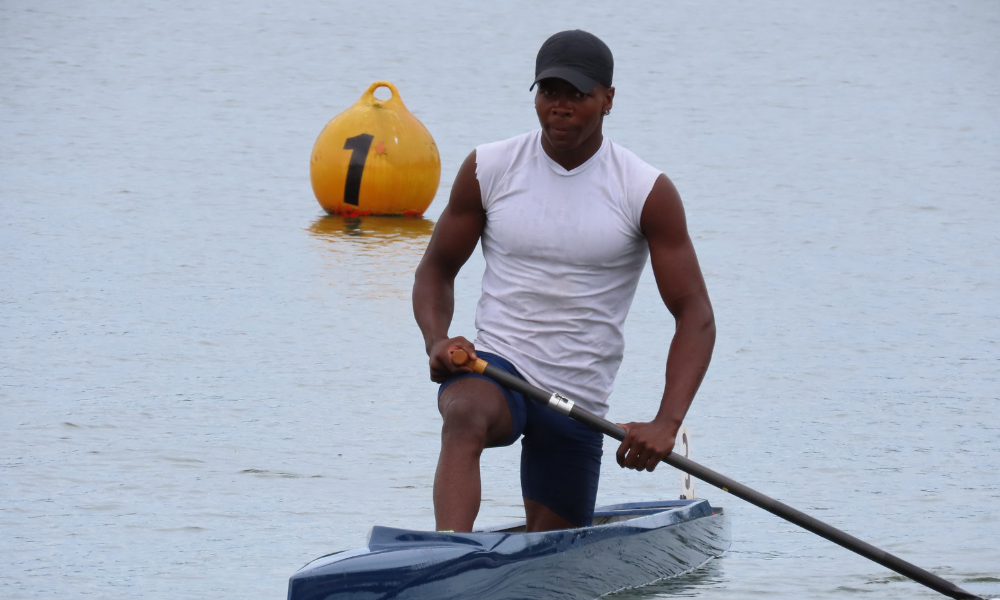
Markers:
point(461, 358)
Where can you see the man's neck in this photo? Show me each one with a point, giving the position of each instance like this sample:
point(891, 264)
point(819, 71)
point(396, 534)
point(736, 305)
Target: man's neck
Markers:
point(571, 159)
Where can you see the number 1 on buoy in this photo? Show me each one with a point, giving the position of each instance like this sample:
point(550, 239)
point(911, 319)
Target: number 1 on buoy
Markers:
point(358, 145)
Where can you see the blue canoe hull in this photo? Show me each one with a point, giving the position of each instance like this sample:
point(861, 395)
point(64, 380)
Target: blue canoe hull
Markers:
point(630, 545)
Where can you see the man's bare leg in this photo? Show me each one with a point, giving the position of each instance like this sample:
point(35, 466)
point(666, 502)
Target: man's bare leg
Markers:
point(539, 517)
point(475, 416)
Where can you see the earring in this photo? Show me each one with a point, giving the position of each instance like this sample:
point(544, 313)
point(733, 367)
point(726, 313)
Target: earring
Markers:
point(607, 112)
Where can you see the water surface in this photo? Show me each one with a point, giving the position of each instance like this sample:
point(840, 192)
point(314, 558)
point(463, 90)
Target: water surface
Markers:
point(205, 382)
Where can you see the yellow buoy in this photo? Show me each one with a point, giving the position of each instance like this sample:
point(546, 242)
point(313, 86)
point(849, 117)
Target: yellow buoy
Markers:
point(375, 158)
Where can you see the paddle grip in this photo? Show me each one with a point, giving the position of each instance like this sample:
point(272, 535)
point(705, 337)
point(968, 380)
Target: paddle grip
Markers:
point(461, 358)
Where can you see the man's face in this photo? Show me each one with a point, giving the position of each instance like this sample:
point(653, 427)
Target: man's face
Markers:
point(568, 116)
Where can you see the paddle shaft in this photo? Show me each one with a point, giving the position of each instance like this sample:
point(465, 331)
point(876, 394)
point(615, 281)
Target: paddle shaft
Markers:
point(780, 509)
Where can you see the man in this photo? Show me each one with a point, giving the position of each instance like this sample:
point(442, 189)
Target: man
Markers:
point(567, 219)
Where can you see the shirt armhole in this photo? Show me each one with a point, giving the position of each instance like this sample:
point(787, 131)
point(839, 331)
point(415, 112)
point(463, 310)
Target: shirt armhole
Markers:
point(640, 185)
point(483, 174)
point(490, 169)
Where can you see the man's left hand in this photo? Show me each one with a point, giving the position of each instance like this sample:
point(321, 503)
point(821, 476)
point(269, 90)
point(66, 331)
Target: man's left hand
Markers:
point(646, 444)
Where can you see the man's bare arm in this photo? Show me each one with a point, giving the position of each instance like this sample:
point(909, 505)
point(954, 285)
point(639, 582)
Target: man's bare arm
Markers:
point(682, 289)
point(454, 239)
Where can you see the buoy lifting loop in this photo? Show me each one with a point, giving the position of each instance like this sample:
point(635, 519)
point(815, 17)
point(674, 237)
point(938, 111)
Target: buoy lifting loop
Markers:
point(369, 95)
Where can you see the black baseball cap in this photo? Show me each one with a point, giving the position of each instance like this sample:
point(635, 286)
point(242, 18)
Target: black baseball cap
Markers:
point(576, 56)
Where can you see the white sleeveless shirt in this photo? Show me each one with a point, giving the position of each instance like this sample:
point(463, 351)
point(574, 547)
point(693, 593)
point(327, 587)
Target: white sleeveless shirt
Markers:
point(564, 251)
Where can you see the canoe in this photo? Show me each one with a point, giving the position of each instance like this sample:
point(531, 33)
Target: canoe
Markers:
point(628, 545)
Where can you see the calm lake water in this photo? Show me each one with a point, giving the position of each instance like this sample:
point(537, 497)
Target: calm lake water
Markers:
point(205, 383)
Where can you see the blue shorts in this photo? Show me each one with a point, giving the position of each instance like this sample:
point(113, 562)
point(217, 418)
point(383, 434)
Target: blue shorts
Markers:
point(560, 458)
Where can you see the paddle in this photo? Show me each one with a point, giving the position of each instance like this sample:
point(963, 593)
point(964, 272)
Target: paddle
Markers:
point(568, 408)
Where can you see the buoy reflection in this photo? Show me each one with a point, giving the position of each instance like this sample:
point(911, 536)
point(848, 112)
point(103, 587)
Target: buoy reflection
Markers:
point(387, 229)
point(371, 257)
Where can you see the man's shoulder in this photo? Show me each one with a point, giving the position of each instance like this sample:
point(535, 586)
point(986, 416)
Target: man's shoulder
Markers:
point(495, 159)
point(524, 140)
point(626, 159)
point(636, 177)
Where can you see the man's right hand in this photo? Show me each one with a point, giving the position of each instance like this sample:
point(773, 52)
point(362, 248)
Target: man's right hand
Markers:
point(440, 353)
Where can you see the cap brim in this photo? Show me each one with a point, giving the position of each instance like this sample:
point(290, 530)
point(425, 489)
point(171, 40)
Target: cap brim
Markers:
point(578, 80)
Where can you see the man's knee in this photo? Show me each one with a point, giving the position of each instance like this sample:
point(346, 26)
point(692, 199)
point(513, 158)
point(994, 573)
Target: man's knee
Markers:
point(464, 420)
point(474, 412)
